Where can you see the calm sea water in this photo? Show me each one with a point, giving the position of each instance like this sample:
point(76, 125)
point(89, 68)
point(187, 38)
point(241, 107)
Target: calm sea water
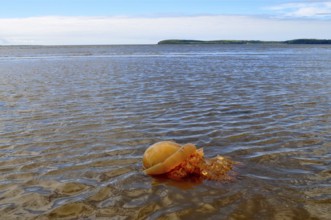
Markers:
point(76, 120)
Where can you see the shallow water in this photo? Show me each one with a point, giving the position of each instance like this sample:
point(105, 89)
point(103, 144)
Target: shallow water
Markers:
point(75, 121)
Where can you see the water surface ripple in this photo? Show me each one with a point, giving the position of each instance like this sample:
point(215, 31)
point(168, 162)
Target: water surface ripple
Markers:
point(75, 121)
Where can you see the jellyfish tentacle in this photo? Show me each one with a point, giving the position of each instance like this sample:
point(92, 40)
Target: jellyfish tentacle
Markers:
point(217, 168)
point(190, 166)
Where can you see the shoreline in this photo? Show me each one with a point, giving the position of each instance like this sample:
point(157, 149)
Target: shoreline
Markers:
point(295, 41)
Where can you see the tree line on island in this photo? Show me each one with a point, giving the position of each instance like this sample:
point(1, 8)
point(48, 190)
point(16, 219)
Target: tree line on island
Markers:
point(295, 41)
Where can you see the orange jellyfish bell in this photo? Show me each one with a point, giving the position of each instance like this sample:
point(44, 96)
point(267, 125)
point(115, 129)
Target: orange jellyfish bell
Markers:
point(158, 153)
point(178, 162)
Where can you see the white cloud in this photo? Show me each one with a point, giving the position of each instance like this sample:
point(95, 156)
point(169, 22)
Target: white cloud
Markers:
point(305, 9)
point(309, 12)
point(139, 30)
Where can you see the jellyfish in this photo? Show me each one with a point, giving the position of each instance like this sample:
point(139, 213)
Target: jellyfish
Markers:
point(178, 162)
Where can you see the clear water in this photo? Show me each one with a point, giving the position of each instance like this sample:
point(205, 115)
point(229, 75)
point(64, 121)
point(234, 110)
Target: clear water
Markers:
point(75, 121)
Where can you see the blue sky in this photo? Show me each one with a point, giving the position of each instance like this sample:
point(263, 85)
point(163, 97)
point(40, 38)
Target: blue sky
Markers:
point(148, 21)
point(28, 8)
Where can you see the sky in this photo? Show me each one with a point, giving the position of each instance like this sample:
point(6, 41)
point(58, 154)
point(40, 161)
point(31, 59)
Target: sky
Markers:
point(79, 22)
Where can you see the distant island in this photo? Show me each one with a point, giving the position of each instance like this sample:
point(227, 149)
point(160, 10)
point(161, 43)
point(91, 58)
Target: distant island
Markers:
point(296, 41)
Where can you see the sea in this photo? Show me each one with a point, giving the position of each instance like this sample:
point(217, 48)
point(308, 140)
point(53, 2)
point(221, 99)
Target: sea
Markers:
point(75, 122)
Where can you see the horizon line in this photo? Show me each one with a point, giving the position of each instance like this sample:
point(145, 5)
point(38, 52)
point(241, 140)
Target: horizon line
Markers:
point(158, 43)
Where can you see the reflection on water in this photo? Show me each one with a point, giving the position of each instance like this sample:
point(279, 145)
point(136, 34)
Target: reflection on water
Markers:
point(75, 122)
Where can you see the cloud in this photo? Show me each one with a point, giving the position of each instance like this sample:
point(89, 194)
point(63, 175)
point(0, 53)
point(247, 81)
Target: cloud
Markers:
point(141, 30)
point(3, 42)
point(304, 9)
